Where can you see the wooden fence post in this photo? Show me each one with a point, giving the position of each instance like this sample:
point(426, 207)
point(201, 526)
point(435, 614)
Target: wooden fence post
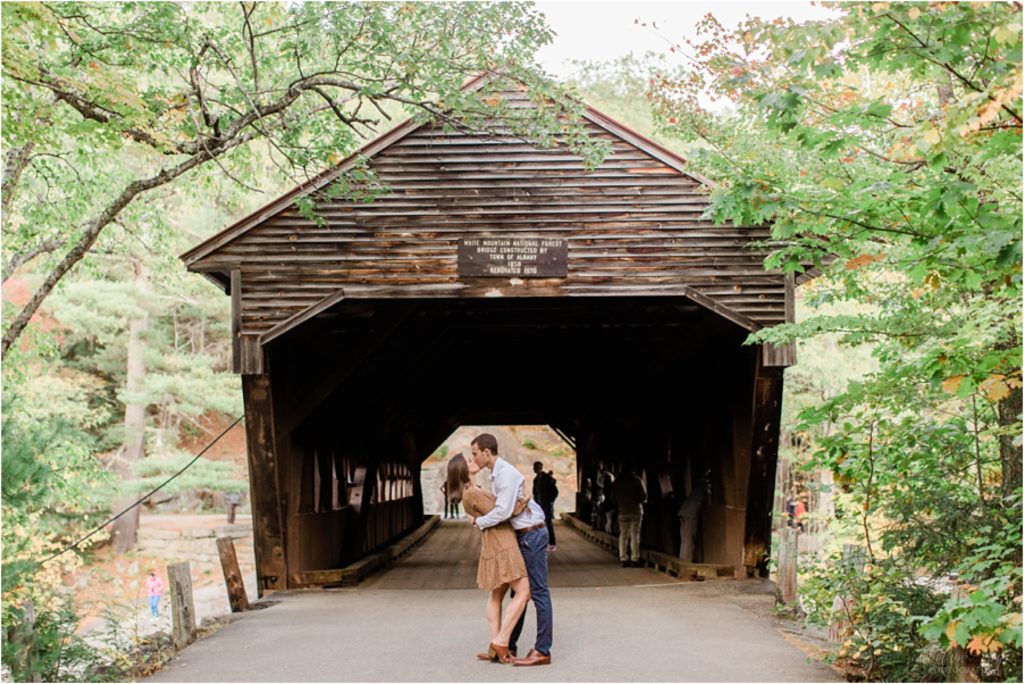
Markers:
point(788, 551)
point(232, 576)
point(183, 609)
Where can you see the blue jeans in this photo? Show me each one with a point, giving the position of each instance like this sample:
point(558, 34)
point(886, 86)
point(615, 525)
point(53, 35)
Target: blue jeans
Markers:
point(534, 546)
point(154, 604)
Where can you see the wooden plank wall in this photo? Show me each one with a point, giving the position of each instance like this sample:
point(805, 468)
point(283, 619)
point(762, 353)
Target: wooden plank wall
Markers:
point(343, 506)
point(634, 227)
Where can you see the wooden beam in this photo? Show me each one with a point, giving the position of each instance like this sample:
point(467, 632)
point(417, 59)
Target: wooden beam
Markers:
point(723, 311)
point(324, 463)
point(251, 354)
point(236, 320)
point(303, 316)
point(662, 154)
point(366, 484)
point(268, 529)
point(183, 608)
point(783, 355)
point(232, 575)
point(564, 435)
point(767, 413)
point(790, 298)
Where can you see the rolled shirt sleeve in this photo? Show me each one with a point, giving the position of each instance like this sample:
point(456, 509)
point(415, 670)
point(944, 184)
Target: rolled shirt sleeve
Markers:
point(507, 482)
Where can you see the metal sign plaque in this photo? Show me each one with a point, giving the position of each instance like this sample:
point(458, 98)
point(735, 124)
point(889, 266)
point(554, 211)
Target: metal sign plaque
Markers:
point(514, 257)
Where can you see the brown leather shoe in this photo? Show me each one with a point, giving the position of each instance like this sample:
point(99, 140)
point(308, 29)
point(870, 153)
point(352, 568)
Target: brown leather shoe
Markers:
point(534, 657)
point(501, 654)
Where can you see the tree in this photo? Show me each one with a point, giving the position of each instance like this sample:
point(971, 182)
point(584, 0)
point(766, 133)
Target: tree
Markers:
point(884, 147)
point(159, 356)
point(125, 528)
point(104, 103)
point(52, 491)
point(620, 87)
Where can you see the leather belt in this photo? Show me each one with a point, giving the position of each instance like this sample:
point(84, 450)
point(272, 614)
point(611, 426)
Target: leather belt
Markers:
point(531, 528)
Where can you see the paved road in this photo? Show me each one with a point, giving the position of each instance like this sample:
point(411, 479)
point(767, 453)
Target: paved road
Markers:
point(419, 622)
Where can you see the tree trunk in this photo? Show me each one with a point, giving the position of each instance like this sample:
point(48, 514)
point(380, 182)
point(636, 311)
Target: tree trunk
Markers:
point(1008, 412)
point(126, 527)
point(1008, 415)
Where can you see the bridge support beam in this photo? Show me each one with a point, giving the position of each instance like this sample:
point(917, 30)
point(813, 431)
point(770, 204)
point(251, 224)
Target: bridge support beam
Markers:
point(271, 567)
point(764, 452)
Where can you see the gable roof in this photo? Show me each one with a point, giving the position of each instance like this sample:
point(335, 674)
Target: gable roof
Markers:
point(634, 226)
point(403, 129)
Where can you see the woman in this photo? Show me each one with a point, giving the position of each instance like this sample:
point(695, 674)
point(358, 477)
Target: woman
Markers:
point(501, 564)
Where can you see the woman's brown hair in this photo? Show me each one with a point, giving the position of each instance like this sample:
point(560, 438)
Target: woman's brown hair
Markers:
point(458, 477)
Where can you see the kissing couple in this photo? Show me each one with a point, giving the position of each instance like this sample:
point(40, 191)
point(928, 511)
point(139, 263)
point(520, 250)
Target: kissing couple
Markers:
point(513, 550)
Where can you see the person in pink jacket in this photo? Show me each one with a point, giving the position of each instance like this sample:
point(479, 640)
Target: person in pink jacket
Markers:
point(155, 588)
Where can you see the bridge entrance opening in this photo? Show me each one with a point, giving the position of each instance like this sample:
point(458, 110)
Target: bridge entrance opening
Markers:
point(349, 418)
point(520, 445)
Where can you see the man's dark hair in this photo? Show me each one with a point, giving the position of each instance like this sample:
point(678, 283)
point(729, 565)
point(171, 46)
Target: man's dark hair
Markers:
point(486, 441)
point(537, 466)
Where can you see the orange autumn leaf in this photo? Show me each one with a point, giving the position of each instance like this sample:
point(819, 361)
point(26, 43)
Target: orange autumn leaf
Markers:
point(995, 387)
point(862, 260)
point(951, 632)
point(493, 101)
point(952, 384)
point(984, 644)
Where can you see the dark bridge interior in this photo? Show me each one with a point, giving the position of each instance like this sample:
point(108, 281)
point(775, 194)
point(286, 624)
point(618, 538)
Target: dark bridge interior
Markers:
point(354, 399)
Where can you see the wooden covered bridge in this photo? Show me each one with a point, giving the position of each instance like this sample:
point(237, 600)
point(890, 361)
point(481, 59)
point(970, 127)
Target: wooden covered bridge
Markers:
point(499, 283)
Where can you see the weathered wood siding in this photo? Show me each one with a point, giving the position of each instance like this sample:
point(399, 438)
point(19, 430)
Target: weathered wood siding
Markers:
point(633, 227)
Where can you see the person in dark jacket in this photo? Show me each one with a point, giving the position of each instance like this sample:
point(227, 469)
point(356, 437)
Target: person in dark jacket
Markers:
point(630, 497)
point(689, 514)
point(545, 491)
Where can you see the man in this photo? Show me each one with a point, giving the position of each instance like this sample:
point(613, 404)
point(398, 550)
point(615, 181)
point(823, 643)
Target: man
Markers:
point(545, 491)
point(630, 497)
point(451, 509)
point(689, 513)
point(531, 529)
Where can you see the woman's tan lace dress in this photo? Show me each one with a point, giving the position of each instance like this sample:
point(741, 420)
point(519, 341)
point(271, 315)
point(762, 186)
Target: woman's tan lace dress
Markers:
point(500, 559)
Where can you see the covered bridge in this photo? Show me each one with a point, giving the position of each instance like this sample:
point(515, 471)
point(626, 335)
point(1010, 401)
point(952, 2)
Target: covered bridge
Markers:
point(498, 283)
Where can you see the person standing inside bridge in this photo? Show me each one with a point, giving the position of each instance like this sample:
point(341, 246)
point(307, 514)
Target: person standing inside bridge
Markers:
point(451, 508)
point(689, 514)
point(501, 564)
point(630, 496)
point(532, 532)
point(545, 491)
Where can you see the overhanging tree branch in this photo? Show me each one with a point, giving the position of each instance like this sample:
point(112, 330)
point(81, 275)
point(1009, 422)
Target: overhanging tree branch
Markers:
point(22, 258)
point(96, 226)
point(15, 161)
